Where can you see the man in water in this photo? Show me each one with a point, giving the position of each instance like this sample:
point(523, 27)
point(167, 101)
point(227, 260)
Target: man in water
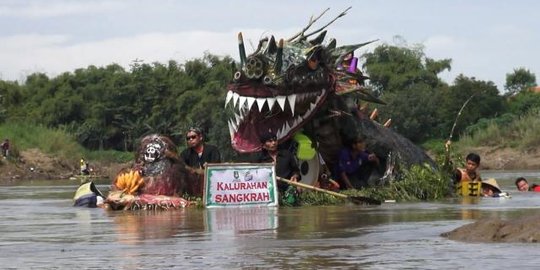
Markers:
point(87, 195)
point(523, 185)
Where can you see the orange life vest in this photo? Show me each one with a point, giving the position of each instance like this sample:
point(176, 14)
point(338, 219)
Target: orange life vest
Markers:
point(465, 176)
point(468, 186)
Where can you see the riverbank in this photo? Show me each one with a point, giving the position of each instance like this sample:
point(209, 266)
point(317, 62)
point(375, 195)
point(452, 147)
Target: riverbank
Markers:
point(34, 164)
point(507, 159)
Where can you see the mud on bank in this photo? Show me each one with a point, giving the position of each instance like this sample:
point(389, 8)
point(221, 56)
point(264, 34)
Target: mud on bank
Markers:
point(521, 230)
point(32, 164)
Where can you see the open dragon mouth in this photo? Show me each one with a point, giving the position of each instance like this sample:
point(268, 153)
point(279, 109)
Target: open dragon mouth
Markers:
point(282, 84)
point(281, 114)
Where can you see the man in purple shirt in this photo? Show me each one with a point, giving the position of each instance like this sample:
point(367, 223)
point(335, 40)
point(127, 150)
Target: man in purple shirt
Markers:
point(355, 164)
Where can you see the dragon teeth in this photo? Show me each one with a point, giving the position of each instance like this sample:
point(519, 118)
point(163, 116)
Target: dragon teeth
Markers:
point(271, 102)
point(238, 119)
point(292, 102)
point(260, 103)
point(236, 96)
point(281, 102)
point(228, 98)
point(250, 101)
point(231, 129)
point(242, 101)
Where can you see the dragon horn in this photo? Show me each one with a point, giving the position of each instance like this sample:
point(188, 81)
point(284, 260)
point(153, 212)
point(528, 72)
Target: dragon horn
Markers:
point(319, 39)
point(262, 42)
point(341, 52)
point(242, 49)
point(272, 46)
point(364, 94)
point(279, 57)
point(332, 44)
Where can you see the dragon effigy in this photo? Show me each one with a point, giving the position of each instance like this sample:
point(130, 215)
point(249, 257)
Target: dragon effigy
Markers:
point(157, 179)
point(310, 84)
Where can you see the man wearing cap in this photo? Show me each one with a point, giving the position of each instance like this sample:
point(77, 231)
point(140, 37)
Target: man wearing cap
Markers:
point(286, 165)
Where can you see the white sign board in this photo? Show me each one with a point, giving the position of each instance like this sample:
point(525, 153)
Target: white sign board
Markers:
point(240, 184)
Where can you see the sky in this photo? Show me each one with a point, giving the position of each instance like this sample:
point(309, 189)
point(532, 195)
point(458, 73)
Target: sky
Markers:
point(486, 39)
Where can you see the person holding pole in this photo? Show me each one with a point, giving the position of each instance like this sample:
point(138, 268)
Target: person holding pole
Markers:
point(285, 164)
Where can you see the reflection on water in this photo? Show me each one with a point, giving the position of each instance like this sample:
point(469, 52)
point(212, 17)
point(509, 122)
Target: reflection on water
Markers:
point(40, 229)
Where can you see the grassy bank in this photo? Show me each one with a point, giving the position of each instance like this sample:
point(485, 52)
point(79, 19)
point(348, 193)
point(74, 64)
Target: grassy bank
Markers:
point(522, 133)
point(55, 142)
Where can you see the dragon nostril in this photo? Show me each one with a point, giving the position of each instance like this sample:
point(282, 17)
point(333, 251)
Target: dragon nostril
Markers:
point(237, 76)
point(258, 73)
point(267, 80)
point(250, 74)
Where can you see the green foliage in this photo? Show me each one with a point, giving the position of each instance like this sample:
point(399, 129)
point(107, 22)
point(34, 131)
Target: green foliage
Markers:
point(485, 103)
point(519, 80)
point(523, 101)
point(420, 182)
point(24, 136)
point(482, 124)
point(408, 82)
point(111, 108)
point(413, 116)
point(319, 198)
point(393, 68)
point(521, 133)
point(56, 142)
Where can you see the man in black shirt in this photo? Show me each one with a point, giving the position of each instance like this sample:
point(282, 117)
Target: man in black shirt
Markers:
point(285, 162)
point(198, 153)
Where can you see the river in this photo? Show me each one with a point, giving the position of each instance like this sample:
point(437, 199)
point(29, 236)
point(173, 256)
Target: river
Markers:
point(40, 230)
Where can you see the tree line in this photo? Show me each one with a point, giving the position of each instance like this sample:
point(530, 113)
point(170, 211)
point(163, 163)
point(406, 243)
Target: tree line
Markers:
point(111, 108)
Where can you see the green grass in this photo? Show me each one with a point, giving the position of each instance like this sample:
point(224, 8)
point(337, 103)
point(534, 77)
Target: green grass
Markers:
point(521, 134)
point(55, 142)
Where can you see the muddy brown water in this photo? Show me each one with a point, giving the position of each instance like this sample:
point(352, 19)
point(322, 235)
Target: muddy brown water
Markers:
point(40, 230)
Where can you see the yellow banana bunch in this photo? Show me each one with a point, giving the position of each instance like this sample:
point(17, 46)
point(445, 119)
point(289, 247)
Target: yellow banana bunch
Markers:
point(129, 182)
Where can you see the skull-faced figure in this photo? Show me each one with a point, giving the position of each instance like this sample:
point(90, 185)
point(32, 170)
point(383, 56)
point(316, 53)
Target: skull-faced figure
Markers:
point(163, 172)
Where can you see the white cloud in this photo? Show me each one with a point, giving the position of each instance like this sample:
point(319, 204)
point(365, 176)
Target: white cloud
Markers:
point(44, 9)
point(54, 54)
point(486, 44)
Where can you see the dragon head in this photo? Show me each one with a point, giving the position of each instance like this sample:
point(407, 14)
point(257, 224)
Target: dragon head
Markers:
point(281, 85)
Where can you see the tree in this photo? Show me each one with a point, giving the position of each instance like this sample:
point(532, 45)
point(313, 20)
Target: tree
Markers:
point(393, 68)
point(408, 81)
point(485, 103)
point(519, 80)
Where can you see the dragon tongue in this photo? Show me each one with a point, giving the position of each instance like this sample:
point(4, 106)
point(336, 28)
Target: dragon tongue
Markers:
point(246, 139)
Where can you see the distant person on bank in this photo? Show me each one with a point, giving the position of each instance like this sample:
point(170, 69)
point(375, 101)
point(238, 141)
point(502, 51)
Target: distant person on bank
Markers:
point(5, 148)
point(85, 167)
point(523, 185)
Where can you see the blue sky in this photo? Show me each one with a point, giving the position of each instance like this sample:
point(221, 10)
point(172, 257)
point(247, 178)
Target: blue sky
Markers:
point(485, 39)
